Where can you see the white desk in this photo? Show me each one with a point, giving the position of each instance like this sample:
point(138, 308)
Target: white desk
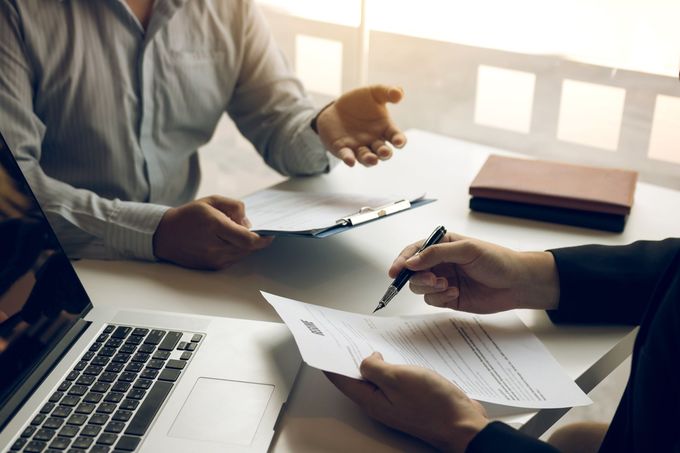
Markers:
point(348, 271)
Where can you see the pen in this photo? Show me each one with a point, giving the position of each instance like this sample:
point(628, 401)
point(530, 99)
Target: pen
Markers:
point(405, 273)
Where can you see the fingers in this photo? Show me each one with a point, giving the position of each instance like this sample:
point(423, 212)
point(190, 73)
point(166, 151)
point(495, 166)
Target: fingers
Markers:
point(238, 235)
point(346, 155)
point(203, 235)
point(435, 289)
point(400, 262)
point(393, 135)
point(361, 392)
point(364, 393)
point(396, 94)
point(235, 209)
point(427, 282)
point(460, 252)
point(369, 156)
point(366, 157)
point(374, 369)
point(358, 127)
point(447, 298)
point(383, 94)
point(381, 149)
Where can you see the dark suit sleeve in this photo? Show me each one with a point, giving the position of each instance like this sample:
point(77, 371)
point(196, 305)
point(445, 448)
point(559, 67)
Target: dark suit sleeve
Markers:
point(497, 436)
point(610, 284)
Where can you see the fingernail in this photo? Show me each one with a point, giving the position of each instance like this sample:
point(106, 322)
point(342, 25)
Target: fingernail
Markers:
point(439, 283)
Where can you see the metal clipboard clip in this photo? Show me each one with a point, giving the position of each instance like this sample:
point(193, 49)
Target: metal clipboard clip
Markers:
point(366, 214)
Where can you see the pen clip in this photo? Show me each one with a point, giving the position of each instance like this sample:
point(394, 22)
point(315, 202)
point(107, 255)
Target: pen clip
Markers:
point(366, 214)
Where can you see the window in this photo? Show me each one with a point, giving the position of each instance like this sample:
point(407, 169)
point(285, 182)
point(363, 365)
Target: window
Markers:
point(569, 78)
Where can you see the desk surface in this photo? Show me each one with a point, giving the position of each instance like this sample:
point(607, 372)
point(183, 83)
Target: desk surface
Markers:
point(348, 271)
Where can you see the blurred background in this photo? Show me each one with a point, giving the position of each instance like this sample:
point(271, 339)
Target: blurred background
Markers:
point(583, 81)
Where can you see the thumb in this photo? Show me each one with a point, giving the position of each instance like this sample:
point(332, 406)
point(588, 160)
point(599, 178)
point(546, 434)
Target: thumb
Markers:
point(383, 94)
point(374, 369)
point(459, 252)
point(234, 209)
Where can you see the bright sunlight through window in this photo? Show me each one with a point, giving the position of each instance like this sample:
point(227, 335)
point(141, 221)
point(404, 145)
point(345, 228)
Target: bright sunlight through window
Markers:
point(629, 34)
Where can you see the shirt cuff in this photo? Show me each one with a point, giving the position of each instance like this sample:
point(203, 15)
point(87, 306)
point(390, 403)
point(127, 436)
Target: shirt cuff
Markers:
point(130, 230)
point(309, 156)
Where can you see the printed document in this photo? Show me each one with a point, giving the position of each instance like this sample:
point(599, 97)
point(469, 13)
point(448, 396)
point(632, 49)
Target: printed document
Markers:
point(492, 358)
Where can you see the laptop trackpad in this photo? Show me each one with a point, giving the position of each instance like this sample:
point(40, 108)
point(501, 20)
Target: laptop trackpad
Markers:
point(223, 411)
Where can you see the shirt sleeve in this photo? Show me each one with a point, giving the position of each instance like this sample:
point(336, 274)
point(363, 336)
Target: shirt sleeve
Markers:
point(610, 284)
point(497, 434)
point(88, 226)
point(269, 104)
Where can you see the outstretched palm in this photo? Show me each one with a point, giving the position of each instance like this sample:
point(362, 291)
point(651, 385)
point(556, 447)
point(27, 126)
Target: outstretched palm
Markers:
point(358, 126)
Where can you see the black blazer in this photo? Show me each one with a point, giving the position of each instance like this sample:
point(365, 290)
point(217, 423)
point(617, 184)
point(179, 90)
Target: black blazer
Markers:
point(637, 284)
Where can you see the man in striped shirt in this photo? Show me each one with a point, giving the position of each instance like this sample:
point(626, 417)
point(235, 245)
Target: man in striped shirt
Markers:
point(105, 103)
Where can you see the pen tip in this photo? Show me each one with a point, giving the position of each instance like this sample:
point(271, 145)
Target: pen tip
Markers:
point(389, 295)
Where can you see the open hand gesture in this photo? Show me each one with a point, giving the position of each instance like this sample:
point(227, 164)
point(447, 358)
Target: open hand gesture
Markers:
point(357, 126)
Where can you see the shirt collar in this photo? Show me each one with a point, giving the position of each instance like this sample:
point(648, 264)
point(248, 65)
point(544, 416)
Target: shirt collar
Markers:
point(163, 10)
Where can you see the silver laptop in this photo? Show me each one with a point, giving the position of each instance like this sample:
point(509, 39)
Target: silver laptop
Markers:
point(77, 377)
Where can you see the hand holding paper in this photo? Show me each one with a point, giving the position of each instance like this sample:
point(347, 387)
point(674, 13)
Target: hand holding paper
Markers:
point(415, 400)
point(493, 358)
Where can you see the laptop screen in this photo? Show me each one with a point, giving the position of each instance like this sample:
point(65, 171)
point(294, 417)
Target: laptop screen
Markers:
point(41, 297)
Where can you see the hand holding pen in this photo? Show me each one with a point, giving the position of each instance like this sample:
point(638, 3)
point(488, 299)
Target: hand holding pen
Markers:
point(470, 275)
point(406, 274)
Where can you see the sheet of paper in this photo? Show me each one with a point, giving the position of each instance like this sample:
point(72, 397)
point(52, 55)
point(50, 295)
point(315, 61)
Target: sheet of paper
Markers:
point(492, 358)
point(279, 210)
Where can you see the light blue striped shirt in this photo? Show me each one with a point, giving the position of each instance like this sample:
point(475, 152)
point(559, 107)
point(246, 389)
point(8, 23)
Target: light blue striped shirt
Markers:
point(105, 118)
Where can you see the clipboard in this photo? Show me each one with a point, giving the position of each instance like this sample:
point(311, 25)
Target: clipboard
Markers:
point(311, 209)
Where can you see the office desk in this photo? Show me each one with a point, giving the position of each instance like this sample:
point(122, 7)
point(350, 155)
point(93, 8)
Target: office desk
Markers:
point(348, 272)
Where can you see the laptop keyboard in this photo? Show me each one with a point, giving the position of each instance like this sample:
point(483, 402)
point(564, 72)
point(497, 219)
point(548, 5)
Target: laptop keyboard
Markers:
point(109, 399)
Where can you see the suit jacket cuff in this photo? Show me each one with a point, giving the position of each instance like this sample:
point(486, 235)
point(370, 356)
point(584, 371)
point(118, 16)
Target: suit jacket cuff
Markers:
point(497, 436)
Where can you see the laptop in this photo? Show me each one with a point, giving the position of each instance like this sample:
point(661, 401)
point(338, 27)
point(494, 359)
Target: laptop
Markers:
point(77, 377)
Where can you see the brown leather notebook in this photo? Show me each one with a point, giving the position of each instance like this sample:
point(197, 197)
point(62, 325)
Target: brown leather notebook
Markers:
point(577, 195)
point(555, 184)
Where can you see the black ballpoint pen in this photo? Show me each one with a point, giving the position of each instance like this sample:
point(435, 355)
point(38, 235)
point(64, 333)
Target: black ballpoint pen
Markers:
point(405, 274)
